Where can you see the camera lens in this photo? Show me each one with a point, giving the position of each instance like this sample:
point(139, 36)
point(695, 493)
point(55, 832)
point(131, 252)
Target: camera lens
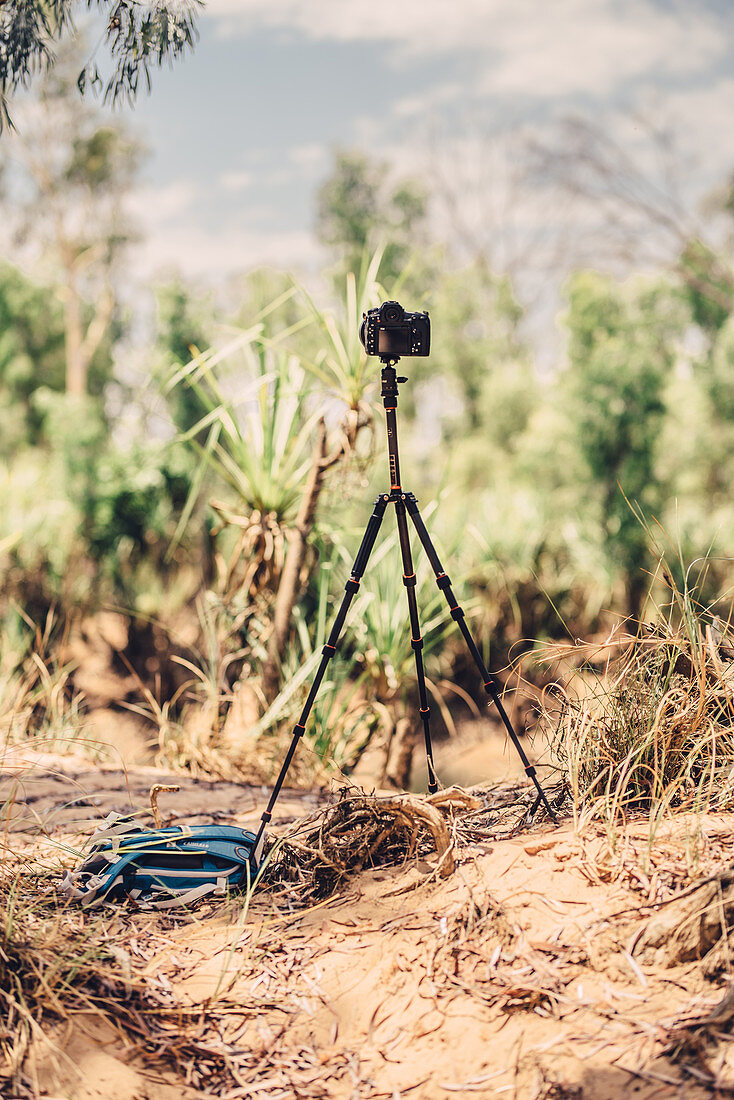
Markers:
point(390, 312)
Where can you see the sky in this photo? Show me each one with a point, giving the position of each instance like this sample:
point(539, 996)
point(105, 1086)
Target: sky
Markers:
point(243, 131)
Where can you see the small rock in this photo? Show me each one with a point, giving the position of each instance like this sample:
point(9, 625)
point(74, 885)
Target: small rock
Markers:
point(538, 846)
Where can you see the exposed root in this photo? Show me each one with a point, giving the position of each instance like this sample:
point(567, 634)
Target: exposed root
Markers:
point(454, 798)
point(155, 790)
point(691, 927)
point(363, 831)
point(702, 1046)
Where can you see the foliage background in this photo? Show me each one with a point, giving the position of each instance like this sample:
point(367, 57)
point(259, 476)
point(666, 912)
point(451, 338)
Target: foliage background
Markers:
point(199, 461)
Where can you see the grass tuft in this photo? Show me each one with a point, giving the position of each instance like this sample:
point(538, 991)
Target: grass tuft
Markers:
point(646, 721)
point(54, 962)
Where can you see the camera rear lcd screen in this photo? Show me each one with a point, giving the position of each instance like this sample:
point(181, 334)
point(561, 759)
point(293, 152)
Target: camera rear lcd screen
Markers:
point(394, 340)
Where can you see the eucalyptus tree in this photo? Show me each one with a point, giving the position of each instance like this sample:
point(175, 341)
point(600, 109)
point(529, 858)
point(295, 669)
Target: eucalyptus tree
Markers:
point(137, 36)
point(622, 350)
point(361, 207)
point(68, 174)
point(31, 355)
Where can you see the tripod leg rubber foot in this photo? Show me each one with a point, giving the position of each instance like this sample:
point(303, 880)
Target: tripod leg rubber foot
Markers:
point(540, 800)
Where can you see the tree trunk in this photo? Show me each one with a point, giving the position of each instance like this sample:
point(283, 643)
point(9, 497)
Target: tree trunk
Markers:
point(637, 588)
point(76, 372)
point(80, 345)
point(400, 754)
point(289, 588)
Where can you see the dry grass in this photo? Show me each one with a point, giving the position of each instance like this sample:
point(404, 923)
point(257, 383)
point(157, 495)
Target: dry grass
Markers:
point(698, 925)
point(239, 1032)
point(652, 729)
point(57, 962)
point(36, 700)
point(54, 961)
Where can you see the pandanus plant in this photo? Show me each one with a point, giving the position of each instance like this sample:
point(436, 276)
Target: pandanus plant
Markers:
point(264, 437)
point(340, 367)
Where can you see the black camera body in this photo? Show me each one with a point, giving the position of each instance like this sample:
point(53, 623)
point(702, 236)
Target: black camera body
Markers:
point(391, 332)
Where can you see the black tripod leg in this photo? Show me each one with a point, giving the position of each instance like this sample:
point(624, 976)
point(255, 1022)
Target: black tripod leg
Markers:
point(415, 638)
point(350, 588)
point(444, 583)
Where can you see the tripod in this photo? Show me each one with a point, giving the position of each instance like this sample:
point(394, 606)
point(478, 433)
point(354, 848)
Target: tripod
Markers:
point(405, 505)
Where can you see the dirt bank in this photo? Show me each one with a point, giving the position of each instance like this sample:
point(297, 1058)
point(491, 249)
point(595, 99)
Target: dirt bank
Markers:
point(516, 976)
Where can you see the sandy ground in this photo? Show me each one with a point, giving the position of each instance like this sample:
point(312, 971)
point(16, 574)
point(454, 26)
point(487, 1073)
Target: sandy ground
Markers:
point(512, 977)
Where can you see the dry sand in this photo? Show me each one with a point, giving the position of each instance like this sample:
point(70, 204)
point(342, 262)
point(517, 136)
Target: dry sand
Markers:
point(511, 978)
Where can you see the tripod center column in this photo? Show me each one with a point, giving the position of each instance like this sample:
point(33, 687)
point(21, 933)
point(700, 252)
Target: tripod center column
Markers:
point(390, 401)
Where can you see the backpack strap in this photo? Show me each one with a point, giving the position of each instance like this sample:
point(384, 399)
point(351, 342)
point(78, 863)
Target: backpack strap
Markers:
point(94, 891)
point(196, 892)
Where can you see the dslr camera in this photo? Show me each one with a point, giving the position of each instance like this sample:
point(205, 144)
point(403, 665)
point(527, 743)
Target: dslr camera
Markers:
point(391, 331)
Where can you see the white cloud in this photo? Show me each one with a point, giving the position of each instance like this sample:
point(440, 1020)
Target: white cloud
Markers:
point(200, 253)
point(235, 181)
point(416, 105)
point(173, 236)
point(162, 204)
point(610, 51)
point(427, 24)
point(531, 47)
point(309, 155)
point(294, 165)
point(576, 47)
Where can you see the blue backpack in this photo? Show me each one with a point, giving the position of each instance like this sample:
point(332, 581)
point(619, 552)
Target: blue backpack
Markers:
point(162, 868)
